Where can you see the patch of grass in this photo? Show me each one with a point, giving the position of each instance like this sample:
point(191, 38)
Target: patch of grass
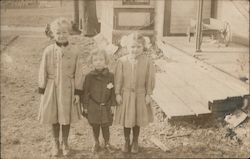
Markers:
point(37, 17)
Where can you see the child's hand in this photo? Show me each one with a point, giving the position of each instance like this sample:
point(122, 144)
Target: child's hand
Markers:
point(148, 99)
point(77, 99)
point(112, 110)
point(85, 112)
point(119, 99)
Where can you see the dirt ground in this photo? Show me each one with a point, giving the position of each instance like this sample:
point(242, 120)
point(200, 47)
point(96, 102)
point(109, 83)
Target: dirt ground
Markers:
point(23, 137)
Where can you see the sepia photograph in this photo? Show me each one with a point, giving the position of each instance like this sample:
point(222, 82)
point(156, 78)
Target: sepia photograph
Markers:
point(124, 79)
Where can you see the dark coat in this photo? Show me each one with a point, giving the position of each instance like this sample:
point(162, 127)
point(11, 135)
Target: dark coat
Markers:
point(98, 98)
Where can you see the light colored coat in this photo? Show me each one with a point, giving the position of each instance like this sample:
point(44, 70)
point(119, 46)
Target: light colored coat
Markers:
point(60, 77)
point(134, 80)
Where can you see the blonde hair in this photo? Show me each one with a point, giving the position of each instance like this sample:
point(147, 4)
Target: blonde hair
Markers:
point(135, 36)
point(97, 52)
point(59, 23)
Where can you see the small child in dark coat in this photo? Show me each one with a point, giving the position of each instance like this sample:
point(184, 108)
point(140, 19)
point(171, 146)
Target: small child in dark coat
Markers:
point(98, 98)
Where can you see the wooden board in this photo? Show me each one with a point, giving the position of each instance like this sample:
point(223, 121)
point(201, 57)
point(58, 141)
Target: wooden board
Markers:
point(208, 88)
point(184, 92)
point(170, 104)
point(180, 55)
point(188, 95)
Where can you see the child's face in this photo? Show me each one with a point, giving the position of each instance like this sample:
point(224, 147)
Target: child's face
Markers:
point(61, 34)
point(135, 48)
point(98, 61)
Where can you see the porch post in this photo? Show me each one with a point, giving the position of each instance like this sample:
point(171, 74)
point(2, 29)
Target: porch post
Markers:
point(199, 26)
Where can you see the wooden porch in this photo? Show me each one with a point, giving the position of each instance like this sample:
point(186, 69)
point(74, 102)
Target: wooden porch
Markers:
point(185, 85)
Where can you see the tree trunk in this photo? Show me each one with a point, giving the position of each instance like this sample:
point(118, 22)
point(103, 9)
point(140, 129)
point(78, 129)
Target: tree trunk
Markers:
point(76, 15)
point(90, 22)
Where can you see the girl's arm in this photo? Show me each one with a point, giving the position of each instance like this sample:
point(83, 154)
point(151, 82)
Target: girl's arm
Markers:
point(85, 96)
point(79, 78)
point(118, 79)
point(113, 97)
point(42, 77)
point(150, 79)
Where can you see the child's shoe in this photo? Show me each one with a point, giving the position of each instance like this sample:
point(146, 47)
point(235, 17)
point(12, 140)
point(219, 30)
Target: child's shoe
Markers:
point(55, 148)
point(109, 147)
point(65, 147)
point(126, 145)
point(135, 147)
point(96, 147)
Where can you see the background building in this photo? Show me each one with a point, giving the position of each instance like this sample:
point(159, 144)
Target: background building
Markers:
point(169, 17)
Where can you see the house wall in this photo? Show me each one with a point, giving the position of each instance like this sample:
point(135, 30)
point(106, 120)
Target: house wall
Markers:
point(117, 19)
point(105, 17)
point(184, 10)
point(119, 4)
point(236, 12)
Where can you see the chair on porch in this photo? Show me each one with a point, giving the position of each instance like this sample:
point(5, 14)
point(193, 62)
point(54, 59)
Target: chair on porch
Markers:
point(214, 28)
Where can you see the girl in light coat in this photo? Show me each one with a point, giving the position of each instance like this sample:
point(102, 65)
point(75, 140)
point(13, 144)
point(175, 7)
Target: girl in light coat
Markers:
point(134, 84)
point(60, 85)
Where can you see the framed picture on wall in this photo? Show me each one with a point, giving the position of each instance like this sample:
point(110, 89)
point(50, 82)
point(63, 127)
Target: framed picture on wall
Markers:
point(135, 2)
point(134, 18)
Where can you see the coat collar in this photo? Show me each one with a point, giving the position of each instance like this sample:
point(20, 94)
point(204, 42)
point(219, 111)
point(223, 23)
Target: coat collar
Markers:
point(62, 44)
point(104, 72)
point(136, 57)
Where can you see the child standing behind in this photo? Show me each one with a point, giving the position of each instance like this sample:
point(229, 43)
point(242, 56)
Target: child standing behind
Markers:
point(98, 98)
point(134, 83)
point(60, 85)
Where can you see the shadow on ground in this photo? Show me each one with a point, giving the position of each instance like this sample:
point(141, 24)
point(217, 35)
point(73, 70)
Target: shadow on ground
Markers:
point(145, 152)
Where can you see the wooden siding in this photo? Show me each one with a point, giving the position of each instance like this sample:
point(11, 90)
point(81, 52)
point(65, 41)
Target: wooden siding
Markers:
point(184, 10)
point(238, 18)
point(106, 14)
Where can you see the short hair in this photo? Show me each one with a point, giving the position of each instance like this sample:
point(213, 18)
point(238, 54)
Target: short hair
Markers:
point(97, 52)
point(59, 23)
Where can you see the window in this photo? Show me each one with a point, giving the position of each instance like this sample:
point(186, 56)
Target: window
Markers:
point(134, 18)
point(135, 2)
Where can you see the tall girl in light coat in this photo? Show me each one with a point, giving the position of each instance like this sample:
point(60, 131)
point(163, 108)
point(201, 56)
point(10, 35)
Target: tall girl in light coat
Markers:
point(60, 85)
